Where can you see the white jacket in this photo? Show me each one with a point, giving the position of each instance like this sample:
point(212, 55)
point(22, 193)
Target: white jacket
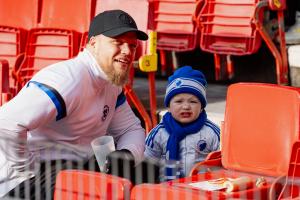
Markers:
point(193, 148)
point(93, 107)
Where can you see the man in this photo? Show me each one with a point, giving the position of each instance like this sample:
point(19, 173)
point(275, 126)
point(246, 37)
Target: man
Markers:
point(65, 106)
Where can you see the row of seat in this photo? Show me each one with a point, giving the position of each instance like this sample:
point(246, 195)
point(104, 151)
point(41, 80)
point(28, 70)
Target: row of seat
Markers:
point(260, 140)
point(222, 27)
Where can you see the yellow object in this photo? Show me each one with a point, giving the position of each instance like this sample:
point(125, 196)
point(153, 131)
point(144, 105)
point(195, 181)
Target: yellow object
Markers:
point(148, 63)
point(277, 3)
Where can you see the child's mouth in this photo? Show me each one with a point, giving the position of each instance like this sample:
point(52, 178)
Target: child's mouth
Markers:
point(185, 115)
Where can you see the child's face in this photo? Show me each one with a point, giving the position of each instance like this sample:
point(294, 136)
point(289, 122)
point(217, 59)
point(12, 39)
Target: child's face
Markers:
point(185, 107)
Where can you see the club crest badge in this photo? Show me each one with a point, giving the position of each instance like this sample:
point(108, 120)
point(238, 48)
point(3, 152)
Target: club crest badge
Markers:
point(105, 112)
point(202, 145)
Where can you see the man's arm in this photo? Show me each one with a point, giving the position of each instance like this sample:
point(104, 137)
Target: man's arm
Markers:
point(30, 109)
point(126, 128)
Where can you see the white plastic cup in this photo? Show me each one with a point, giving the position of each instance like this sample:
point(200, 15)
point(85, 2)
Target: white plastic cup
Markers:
point(102, 146)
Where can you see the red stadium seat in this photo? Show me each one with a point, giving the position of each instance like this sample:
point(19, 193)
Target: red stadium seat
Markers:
point(79, 184)
point(173, 22)
point(176, 30)
point(5, 93)
point(233, 27)
point(16, 18)
point(57, 36)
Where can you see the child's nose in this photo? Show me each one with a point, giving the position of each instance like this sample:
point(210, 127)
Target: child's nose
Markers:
point(186, 106)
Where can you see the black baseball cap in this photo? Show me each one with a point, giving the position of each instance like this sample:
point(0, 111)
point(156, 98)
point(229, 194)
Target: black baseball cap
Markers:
point(112, 23)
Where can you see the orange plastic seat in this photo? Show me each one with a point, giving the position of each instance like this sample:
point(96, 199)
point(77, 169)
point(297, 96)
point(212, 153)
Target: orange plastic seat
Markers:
point(57, 36)
point(176, 30)
point(45, 47)
point(260, 127)
point(65, 14)
point(16, 17)
point(80, 184)
point(5, 93)
point(233, 27)
point(173, 22)
point(288, 187)
point(163, 192)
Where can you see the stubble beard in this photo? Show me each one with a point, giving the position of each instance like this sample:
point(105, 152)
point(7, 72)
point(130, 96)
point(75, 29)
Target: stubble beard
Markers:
point(117, 78)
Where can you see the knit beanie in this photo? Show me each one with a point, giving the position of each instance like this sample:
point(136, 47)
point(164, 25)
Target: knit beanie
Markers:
point(186, 80)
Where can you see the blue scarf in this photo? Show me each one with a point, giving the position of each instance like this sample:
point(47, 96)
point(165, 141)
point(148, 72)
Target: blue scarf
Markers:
point(178, 132)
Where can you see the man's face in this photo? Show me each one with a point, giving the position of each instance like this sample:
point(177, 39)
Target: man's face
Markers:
point(115, 55)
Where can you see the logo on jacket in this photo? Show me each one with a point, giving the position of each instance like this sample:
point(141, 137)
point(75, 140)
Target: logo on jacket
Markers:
point(201, 145)
point(105, 112)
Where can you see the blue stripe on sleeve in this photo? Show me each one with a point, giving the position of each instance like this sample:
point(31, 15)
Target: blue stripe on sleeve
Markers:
point(214, 127)
point(55, 97)
point(121, 99)
point(152, 134)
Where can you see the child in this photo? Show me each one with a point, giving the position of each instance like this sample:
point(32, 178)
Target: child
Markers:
point(185, 135)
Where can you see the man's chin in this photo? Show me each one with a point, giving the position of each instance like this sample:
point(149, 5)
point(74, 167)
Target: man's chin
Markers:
point(119, 80)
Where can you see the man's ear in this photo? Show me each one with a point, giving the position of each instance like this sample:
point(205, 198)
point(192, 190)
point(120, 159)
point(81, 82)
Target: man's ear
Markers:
point(92, 41)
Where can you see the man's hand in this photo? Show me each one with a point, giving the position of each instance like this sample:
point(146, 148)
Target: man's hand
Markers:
point(120, 163)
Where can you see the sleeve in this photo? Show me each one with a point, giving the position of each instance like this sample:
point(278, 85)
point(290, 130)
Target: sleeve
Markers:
point(215, 136)
point(215, 143)
point(153, 148)
point(28, 110)
point(127, 131)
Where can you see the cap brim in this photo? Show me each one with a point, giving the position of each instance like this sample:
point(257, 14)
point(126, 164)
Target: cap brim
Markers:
point(119, 31)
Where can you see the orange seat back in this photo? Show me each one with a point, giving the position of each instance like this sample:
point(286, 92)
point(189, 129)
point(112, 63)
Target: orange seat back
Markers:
point(67, 14)
point(227, 27)
point(163, 192)
point(16, 17)
point(19, 14)
point(5, 94)
point(173, 22)
point(261, 124)
point(79, 184)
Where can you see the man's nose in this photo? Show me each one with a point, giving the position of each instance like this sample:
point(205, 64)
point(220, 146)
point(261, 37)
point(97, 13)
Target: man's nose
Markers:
point(125, 49)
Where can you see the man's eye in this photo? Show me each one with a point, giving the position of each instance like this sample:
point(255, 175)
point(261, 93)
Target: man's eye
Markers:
point(116, 42)
point(133, 46)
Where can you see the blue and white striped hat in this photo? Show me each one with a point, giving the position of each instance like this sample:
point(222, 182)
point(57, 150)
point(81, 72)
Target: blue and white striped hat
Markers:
point(186, 80)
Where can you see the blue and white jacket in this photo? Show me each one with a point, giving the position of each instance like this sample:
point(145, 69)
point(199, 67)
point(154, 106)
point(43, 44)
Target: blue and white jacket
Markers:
point(193, 148)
